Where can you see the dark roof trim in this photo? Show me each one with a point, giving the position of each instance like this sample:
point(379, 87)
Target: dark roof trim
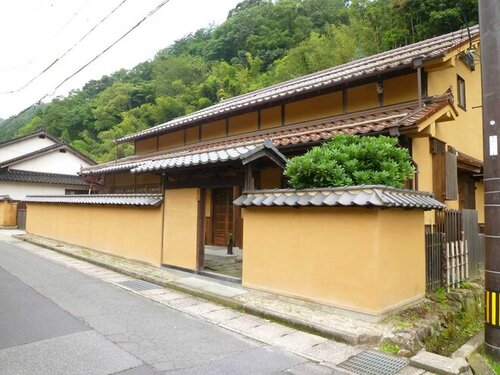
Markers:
point(267, 149)
point(38, 133)
point(348, 196)
point(46, 150)
point(41, 178)
point(100, 199)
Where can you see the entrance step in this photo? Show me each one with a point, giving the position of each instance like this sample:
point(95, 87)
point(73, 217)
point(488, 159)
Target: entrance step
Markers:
point(210, 286)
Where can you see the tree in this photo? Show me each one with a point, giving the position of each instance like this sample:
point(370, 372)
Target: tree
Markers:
point(348, 160)
point(262, 42)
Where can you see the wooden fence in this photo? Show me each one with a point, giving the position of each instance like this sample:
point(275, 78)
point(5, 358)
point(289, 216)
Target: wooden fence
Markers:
point(453, 249)
point(434, 250)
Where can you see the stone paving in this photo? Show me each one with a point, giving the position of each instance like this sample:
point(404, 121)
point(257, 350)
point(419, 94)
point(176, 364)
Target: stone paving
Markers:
point(217, 260)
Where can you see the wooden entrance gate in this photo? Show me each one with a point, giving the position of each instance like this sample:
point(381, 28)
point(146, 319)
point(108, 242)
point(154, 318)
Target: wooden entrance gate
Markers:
point(21, 215)
point(222, 215)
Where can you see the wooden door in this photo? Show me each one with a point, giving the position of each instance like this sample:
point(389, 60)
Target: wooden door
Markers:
point(222, 215)
point(466, 191)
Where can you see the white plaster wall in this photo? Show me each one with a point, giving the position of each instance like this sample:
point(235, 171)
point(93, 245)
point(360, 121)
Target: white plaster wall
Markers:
point(53, 162)
point(19, 190)
point(24, 147)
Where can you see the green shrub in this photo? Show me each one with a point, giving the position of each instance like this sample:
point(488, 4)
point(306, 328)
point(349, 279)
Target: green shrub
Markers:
point(348, 160)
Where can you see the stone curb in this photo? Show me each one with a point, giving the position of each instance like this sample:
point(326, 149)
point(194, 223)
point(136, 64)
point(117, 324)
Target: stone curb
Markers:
point(479, 365)
point(439, 364)
point(469, 347)
point(337, 335)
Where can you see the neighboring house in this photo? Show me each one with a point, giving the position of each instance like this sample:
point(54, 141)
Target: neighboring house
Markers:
point(39, 163)
point(210, 178)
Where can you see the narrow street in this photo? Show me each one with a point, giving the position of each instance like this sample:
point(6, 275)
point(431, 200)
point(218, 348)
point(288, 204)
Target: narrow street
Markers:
point(55, 320)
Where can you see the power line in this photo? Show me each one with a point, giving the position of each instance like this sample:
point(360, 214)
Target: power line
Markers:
point(42, 47)
point(39, 101)
point(158, 7)
point(59, 58)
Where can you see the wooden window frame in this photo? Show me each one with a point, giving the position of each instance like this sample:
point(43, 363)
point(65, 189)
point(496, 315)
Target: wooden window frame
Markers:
point(461, 96)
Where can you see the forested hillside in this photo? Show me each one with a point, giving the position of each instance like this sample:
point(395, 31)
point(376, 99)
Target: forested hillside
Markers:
point(261, 42)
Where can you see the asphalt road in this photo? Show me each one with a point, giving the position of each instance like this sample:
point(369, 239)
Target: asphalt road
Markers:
point(55, 320)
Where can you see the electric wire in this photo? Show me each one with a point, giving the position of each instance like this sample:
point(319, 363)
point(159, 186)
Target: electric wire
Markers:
point(59, 58)
point(40, 101)
point(42, 46)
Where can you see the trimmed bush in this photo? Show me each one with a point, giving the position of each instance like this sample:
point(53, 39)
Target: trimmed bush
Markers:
point(348, 160)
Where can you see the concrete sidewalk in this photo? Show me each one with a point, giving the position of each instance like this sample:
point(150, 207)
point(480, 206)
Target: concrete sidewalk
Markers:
point(311, 317)
point(310, 330)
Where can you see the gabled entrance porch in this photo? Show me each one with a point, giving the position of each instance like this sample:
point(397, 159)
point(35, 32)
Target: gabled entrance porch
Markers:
point(203, 229)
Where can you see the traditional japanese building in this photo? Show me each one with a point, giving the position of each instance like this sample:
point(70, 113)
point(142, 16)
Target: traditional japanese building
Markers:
point(427, 95)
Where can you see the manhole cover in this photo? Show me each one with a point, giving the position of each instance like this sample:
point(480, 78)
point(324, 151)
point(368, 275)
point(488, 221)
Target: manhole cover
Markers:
point(372, 362)
point(139, 285)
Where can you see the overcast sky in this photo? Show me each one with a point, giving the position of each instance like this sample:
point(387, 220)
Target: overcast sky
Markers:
point(33, 33)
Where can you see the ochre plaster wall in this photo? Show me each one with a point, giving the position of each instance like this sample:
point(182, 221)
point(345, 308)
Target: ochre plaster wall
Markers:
point(181, 228)
point(400, 89)
point(362, 97)
point(243, 123)
point(465, 132)
point(213, 130)
point(313, 108)
point(192, 135)
point(8, 214)
point(270, 117)
point(131, 232)
point(171, 140)
point(423, 158)
point(146, 145)
point(364, 260)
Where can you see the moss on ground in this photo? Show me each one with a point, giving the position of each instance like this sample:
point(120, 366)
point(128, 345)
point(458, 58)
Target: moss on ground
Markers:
point(389, 348)
point(458, 329)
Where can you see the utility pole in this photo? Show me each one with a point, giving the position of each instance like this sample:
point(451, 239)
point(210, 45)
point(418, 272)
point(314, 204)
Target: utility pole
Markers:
point(489, 21)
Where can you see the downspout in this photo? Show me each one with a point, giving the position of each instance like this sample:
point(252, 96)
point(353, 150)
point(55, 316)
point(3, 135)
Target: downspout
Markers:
point(417, 64)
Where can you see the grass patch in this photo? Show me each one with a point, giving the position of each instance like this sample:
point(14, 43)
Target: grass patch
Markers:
point(494, 365)
point(458, 329)
point(389, 348)
point(440, 295)
point(407, 318)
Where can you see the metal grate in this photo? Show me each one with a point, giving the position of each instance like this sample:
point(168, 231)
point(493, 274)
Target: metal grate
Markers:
point(372, 362)
point(139, 285)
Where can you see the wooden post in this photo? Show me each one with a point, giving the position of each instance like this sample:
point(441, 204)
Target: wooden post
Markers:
point(249, 181)
point(200, 238)
point(448, 266)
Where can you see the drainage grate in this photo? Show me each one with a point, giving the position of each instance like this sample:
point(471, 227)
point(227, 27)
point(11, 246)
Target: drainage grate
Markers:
point(372, 362)
point(139, 285)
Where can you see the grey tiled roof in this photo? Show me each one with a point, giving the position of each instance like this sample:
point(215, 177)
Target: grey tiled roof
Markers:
point(39, 177)
point(375, 121)
point(197, 158)
point(100, 199)
point(37, 133)
point(364, 196)
point(46, 150)
point(210, 156)
point(399, 58)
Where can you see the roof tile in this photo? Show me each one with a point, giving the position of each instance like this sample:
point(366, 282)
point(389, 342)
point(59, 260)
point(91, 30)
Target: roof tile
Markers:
point(100, 199)
point(397, 58)
point(371, 121)
point(363, 196)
